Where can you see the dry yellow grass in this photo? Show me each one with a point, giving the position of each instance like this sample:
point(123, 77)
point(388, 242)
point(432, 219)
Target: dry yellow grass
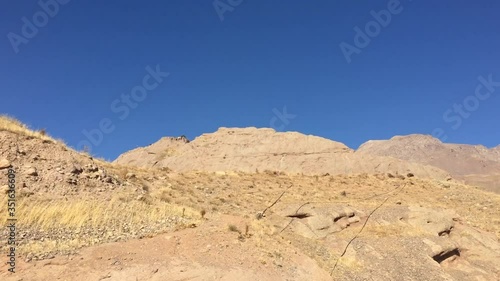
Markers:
point(36, 247)
point(10, 124)
point(13, 125)
point(76, 213)
point(349, 262)
point(80, 213)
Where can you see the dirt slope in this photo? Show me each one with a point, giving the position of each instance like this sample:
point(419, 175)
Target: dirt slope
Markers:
point(251, 149)
point(66, 196)
point(80, 218)
point(423, 231)
point(209, 252)
point(476, 164)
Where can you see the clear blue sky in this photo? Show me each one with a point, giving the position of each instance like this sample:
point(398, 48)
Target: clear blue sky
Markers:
point(264, 55)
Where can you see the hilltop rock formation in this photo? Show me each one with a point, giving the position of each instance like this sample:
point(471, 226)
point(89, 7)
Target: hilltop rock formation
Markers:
point(252, 149)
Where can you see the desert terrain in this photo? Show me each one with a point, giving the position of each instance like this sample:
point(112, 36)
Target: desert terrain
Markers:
point(251, 204)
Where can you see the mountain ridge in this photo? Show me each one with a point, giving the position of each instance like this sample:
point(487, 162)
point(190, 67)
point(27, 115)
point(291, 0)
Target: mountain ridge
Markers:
point(250, 149)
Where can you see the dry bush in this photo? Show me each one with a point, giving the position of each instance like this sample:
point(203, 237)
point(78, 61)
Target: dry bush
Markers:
point(233, 228)
point(165, 169)
point(121, 172)
point(271, 173)
point(146, 186)
point(163, 194)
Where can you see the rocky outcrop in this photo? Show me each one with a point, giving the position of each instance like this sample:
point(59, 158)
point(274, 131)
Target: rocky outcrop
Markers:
point(253, 149)
point(4, 163)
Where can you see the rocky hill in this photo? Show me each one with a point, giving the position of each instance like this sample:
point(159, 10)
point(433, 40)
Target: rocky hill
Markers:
point(475, 164)
point(252, 149)
point(82, 218)
point(68, 196)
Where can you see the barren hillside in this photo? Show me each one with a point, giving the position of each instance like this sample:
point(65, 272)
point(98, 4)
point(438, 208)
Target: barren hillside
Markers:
point(476, 164)
point(251, 149)
point(81, 218)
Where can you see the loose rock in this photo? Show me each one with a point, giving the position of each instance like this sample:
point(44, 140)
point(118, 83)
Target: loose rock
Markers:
point(4, 163)
point(31, 171)
point(77, 169)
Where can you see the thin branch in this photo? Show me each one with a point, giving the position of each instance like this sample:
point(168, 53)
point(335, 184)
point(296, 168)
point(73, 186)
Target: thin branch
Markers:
point(261, 214)
point(363, 227)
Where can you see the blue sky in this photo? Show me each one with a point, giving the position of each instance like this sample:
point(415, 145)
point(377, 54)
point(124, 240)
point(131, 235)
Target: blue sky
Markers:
point(69, 75)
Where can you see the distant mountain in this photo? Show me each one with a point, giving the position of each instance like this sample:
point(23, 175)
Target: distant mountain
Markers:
point(475, 164)
point(252, 149)
point(258, 149)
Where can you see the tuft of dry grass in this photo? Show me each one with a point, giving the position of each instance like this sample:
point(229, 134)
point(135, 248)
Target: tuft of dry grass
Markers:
point(121, 171)
point(163, 194)
point(233, 228)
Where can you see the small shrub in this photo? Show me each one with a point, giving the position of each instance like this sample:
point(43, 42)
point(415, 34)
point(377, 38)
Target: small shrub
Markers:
point(165, 196)
point(271, 173)
point(233, 228)
point(166, 169)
